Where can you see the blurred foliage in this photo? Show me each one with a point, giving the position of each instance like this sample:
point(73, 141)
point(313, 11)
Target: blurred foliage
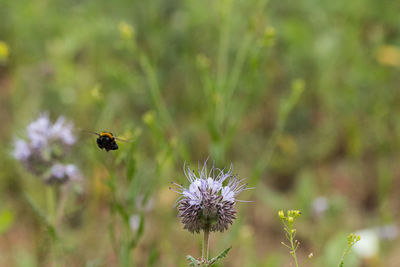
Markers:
point(302, 96)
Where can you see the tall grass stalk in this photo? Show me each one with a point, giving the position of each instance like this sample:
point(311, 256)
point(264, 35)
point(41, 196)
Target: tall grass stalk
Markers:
point(285, 107)
point(159, 104)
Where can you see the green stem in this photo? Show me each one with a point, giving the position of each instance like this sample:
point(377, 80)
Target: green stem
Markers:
point(50, 204)
point(154, 89)
point(157, 99)
point(293, 252)
point(61, 205)
point(341, 262)
point(51, 213)
point(204, 253)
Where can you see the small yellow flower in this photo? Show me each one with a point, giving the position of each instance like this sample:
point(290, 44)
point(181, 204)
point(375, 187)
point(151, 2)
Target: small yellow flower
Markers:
point(310, 255)
point(96, 92)
point(287, 145)
point(126, 30)
point(268, 37)
point(269, 32)
point(388, 55)
point(4, 51)
point(290, 219)
point(281, 214)
point(292, 213)
point(352, 239)
point(149, 117)
point(298, 85)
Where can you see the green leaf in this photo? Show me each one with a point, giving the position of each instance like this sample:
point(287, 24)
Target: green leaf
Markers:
point(141, 227)
point(288, 104)
point(139, 233)
point(193, 261)
point(131, 163)
point(121, 211)
point(153, 256)
point(42, 216)
point(222, 255)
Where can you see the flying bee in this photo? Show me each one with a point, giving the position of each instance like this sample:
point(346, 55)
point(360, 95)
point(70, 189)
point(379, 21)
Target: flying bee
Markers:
point(107, 141)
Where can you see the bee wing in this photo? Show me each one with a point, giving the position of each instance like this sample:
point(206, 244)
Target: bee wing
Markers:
point(93, 133)
point(90, 132)
point(122, 140)
point(83, 133)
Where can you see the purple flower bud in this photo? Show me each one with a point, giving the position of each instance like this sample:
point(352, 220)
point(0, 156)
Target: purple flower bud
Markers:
point(209, 201)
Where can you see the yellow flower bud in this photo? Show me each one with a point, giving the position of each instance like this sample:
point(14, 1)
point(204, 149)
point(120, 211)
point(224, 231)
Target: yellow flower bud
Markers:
point(149, 117)
point(126, 30)
point(4, 51)
point(281, 214)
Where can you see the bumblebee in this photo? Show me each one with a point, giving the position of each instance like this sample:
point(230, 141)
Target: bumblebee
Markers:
point(106, 140)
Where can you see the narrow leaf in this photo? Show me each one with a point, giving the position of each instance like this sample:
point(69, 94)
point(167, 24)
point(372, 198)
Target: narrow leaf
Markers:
point(192, 261)
point(42, 216)
point(222, 255)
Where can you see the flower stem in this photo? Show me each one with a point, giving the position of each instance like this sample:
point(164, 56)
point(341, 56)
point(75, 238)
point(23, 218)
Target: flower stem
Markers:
point(294, 252)
point(204, 254)
point(61, 205)
point(50, 199)
point(292, 244)
point(51, 213)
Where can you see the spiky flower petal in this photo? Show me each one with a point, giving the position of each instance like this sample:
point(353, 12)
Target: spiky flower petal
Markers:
point(209, 201)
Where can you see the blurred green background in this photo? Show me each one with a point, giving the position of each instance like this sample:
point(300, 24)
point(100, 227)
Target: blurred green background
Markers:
point(302, 97)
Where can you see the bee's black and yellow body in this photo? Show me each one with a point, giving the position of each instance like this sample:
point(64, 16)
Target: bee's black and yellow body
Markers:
point(106, 141)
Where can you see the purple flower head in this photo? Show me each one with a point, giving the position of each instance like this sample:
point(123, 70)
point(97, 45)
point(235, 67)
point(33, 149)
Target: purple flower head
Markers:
point(42, 132)
point(209, 201)
point(47, 144)
point(39, 131)
point(63, 131)
point(60, 173)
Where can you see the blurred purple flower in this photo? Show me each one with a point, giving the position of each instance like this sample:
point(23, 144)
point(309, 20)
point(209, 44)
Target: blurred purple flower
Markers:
point(388, 232)
point(47, 144)
point(22, 150)
point(60, 173)
point(63, 131)
point(38, 131)
point(320, 205)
